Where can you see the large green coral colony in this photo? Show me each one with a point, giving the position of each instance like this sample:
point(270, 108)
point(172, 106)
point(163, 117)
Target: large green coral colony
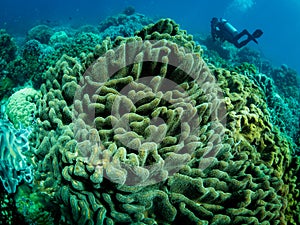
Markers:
point(112, 143)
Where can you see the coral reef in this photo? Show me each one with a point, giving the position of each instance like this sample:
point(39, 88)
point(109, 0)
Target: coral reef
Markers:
point(287, 82)
point(283, 109)
point(167, 29)
point(8, 47)
point(248, 55)
point(138, 129)
point(33, 206)
point(13, 163)
point(27, 66)
point(249, 119)
point(96, 147)
point(153, 164)
point(87, 39)
point(9, 214)
point(280, 85)
point(292, 180)
point(41, 33)
point(45, 45)
point(31, 51)
point(88, 29)
point(58, 37)
point(8, 52)
point(123, 24)
point(6, 87)
point(19, 71)
point(21, 106)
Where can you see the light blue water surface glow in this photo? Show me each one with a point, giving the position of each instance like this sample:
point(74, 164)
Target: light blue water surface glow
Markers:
point(279, 19)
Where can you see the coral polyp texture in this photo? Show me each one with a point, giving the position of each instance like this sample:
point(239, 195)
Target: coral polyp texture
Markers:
point(14, 167)
point(136, 122)
point(153, 108)
point(167, 29)
point(21, 107)
point(140, 130)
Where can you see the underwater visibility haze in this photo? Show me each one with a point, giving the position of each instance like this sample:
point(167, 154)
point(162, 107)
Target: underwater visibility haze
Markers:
point(149, 112)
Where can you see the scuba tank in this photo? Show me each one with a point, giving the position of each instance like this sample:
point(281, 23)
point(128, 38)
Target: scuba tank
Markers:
point(229, 27)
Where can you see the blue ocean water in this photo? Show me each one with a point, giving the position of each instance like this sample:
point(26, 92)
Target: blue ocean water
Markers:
point(280, 20)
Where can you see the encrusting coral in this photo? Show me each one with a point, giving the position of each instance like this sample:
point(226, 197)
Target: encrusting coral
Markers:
point(112, 145)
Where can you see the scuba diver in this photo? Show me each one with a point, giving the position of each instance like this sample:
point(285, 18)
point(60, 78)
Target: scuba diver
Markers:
point(224, 31)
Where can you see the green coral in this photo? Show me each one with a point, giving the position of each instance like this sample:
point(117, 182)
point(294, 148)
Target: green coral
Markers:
point(250, 120)
point(33, 206)
point(245, 68)
point(167, 29)
point(6, 87)
point(59, 37)
point(239, 174)
point(8, 47)
point(21, 106)
point(19, 71)
point(9, 214)
point(151, 165)
point(41, 33)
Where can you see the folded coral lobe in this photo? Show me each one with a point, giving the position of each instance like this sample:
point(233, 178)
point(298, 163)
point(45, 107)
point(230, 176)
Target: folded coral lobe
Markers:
point(13, 165)
point(137, 132)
